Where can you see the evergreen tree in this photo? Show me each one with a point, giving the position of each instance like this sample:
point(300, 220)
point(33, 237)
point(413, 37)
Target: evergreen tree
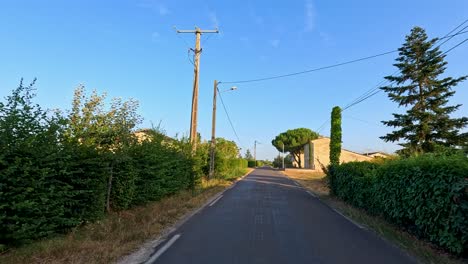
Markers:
point(335, 136)
point(427, 124)
point(248, 155)
point(293, 141)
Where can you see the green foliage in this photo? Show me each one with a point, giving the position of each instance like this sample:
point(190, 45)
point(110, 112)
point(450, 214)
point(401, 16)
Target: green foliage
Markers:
point(227, 163)
point(36, 199)
point(56, 172)
point(248, 155)
point(278, 162)
point(346, 178)
point(335, 136)
point(427, 122)
point(251, 163)
point(426, 195)
point(163, 167)
point(294, 141)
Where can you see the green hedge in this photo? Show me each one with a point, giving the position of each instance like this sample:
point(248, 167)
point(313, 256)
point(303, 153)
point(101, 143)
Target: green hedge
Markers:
point(427, 195)
point(230, 168)
point(56, 173)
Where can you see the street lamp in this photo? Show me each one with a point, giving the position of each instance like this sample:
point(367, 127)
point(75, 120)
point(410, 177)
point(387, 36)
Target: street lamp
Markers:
point(255, 151)
point(213, 127)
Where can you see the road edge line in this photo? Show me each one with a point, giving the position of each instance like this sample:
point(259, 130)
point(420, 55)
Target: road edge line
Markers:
point(217, 199)
point(163, 249)
point(152, 244)
point(326, 204)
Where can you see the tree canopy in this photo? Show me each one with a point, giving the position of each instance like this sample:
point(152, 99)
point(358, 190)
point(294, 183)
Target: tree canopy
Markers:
point(294, 141)
point(248, 155)
point(426, 124)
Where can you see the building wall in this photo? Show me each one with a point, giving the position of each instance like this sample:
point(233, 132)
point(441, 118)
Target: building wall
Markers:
point(321, 155)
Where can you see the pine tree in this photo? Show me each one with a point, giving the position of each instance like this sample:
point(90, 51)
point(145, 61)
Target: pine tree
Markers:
point(427, 124)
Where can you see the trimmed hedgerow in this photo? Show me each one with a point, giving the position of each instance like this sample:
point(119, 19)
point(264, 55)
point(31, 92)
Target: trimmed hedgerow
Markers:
point(426, 195)
point(58, 172)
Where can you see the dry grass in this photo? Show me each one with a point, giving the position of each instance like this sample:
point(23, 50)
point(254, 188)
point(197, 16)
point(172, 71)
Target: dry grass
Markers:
point(118, 234)
point(424, 251)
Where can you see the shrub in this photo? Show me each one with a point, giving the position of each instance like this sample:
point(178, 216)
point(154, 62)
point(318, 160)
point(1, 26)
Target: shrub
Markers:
point(352, 182)
point(36, 199)
point(335, 136)
point(427, 195)
point(55, 172)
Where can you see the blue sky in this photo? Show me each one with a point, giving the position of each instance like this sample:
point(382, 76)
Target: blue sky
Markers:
point(129, 49)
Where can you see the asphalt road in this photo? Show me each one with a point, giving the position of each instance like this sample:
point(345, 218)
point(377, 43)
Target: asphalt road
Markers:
point(266, 218)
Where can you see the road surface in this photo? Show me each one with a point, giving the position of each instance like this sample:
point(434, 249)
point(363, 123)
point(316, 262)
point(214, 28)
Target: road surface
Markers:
point(267, 218)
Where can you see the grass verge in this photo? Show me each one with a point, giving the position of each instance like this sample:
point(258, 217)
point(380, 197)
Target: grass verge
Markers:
point(119, 233)
point(424, 251)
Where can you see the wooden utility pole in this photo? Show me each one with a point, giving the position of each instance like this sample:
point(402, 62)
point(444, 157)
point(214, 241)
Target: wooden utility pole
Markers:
point(196, 64)
point(213, 133)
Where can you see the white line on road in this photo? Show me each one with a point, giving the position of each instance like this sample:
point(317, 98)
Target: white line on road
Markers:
point(297, 184)
point(311, 193)
point(349, 219)
point(163, 249)
point(219, 197)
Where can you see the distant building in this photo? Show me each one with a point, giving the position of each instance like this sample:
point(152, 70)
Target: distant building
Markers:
point(320, 155)
point(376, 154)
point(148, 134)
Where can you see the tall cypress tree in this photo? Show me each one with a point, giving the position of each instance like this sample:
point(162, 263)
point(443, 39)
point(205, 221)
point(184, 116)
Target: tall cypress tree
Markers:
point(419, 87)
point(335, 136)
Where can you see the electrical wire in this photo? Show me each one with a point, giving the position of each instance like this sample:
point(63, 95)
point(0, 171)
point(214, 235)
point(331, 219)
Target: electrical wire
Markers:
point(335, 65)
point(229, 118)
point(312, 70)
point(375, 90)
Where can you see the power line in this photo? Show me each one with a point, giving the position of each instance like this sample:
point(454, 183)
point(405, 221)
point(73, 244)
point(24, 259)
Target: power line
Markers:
point(377, 90)
point(450, 37)
point(322, 126)
point(455, 46)
point(364, 121)
point(333, 65)
point(313, 70)
point(229, 118)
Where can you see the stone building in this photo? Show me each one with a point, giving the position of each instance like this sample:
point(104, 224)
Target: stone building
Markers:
point(317, 154)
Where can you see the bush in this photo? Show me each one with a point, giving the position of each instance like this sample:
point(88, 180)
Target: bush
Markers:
point(232, 168)
point(427, 195)
point(36, 198)
point(345, 179)
point(55, 172)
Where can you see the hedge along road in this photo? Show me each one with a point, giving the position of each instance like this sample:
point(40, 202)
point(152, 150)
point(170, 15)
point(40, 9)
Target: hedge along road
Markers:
point(267, 218)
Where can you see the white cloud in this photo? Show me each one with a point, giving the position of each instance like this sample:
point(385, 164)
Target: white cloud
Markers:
point(155, 5)
point(213, 19)
point(155, 36)
point(258, 20)
point(163, 10)
point(324, 37)
point(309, 16)
point(275, 43)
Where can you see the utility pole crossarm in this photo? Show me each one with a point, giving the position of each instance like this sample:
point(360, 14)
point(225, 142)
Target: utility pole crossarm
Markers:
point(197, 31)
